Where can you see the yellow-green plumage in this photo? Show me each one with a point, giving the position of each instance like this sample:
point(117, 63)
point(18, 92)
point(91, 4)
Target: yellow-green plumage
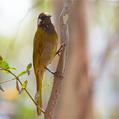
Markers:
point(44, 50)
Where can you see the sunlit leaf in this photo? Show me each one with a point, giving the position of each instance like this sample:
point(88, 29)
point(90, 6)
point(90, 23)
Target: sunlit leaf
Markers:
point(4, 64)
point(24, 85)
point(22, 73)
point(29, 66)
point(1, 88)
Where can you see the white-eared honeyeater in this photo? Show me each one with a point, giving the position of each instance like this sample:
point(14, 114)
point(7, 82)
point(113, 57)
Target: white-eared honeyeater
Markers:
point(44, 50)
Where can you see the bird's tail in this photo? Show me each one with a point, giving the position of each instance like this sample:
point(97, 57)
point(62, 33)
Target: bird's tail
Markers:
point(38, 97)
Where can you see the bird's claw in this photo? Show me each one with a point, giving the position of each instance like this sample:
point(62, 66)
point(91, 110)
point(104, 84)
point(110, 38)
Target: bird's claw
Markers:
point(56, 74)
point(60, 49)
point(49, 70)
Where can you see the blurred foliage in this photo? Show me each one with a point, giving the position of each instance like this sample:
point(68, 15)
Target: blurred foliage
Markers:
point(106, 13)
point(24, 112)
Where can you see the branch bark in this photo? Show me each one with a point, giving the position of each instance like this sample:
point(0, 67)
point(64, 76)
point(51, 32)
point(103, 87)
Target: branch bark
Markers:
point(50, 110)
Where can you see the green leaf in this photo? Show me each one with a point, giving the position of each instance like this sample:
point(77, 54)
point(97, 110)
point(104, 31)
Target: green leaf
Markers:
point(4, 64)
point(24, 85)
point(1, 88)
point(28, 66)
point(22, 73)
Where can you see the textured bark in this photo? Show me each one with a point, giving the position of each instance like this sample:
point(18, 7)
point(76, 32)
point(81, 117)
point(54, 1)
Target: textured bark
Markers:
point(76, 99)
point(50, 110)
point(49, 113)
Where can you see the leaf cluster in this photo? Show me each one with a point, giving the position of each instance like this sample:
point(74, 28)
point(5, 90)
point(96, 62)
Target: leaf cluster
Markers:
point(5, 66)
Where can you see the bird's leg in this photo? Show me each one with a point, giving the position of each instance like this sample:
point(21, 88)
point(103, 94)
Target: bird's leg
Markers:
point(57, 74)
point(60, 49)
point(57, 53)
point(50, 71)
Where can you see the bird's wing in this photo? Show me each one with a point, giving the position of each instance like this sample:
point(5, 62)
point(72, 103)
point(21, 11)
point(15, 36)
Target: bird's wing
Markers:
point(38, 41)
point(38, 47)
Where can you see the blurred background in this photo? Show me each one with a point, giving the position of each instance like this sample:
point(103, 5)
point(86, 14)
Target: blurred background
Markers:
point(18, 23)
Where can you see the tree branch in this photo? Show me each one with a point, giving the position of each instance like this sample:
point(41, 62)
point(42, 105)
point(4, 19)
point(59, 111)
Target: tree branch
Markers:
point(111, 46)
point(2, 82)
point(75, 102)
point(58, 77)
point(17, 78)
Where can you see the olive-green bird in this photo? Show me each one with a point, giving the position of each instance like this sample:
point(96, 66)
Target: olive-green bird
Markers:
point(44, 50)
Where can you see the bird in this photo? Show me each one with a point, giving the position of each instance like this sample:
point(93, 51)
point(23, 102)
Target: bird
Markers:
point(44, 50)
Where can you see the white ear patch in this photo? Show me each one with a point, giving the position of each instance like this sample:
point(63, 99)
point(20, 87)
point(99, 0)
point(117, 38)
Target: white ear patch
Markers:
point(39, 20)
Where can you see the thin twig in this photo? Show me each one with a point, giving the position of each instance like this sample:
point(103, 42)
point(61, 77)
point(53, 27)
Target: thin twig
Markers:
point(2, 82)
point(24, 89)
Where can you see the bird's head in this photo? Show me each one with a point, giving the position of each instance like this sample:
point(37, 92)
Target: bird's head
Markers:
point(43, 16)
point(44, 19)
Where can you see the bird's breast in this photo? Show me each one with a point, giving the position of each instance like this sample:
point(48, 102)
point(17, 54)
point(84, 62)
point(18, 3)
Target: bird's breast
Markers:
point(50, 48)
